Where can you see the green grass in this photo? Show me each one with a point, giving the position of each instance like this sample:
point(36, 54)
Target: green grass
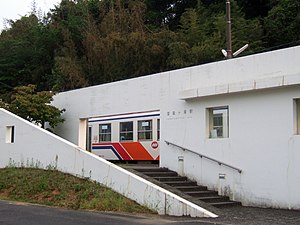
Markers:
point(53, 188)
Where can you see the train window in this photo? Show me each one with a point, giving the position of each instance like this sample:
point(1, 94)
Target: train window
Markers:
point(145, 130)
point(126, 131)
point(105, 132)
point(158, 129)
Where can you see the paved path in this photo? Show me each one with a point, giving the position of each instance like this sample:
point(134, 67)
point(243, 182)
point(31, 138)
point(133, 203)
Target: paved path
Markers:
point(240, 215)
point(28, 214)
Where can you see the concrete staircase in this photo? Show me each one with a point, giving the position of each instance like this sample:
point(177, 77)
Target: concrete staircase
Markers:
point(183, 187)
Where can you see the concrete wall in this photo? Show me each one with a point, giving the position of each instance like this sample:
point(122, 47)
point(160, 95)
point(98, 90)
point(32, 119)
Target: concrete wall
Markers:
point(259, 92)
point(35, 147)
point(262, 140)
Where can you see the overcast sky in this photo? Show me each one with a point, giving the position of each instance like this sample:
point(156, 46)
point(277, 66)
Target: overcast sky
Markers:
point(14, 9)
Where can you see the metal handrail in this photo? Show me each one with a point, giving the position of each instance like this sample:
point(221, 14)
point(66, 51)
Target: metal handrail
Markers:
point(204, 156)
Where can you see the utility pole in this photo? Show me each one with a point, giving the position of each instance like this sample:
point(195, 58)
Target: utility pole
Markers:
point(228, 53)
point(228, 31)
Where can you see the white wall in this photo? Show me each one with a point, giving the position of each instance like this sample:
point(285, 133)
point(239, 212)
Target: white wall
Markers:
point(261, 140)
point(35, 147)
point(261, 129)
point(135, 95)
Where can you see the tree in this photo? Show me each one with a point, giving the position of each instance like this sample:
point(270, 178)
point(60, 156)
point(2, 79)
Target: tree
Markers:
point(282, 25)
point(3, 104)
point(67, 72)
point(254, 8)
point(35, 106)
point(203, 34)
point(119, 45)
point(167, 12)
point(27, 53)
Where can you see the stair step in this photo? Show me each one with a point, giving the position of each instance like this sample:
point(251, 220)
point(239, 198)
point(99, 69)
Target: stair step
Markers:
point(181, 183)
point(225, 204)
point(168, 179)
point(161, 174)
point(145, 169)
point(186, 186)
point(214, 199)
point(191, 188)
point(201, 193)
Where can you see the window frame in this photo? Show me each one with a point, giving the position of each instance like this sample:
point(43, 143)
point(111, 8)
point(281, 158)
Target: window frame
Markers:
point(105, 134)
point(145, 132)
point(126, 132)
point(218, 114)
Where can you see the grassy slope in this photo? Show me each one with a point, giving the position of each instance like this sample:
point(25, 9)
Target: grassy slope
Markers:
point(50, 187)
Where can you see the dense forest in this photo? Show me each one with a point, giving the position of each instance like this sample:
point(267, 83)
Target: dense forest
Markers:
point(87, 42)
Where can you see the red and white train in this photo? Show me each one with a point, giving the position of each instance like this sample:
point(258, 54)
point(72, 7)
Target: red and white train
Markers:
point(132, 136)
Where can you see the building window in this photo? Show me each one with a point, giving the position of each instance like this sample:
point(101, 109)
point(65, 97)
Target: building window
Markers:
point(297, 101)
point(218, 122)
point(105, 132)
point(126, 131)
point(158, 129)
point(145, 130)
point(10, 134)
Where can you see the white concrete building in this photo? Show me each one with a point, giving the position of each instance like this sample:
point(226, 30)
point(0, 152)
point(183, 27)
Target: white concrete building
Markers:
point(241, 112)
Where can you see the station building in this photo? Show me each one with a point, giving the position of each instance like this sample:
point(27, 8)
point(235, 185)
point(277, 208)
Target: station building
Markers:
point(231, 125)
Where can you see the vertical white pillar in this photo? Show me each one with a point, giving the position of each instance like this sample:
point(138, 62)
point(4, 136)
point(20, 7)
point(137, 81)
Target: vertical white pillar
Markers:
point(82, 133)
point(181, 165)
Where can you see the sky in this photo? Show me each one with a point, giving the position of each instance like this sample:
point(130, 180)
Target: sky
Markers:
point(15, 9)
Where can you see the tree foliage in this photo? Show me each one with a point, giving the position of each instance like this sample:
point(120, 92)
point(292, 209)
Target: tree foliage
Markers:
point(27, 52)
point(35, 106)
point(282, 24)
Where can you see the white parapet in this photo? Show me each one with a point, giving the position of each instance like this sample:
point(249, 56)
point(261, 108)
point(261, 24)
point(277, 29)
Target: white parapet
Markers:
point(242, 86)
